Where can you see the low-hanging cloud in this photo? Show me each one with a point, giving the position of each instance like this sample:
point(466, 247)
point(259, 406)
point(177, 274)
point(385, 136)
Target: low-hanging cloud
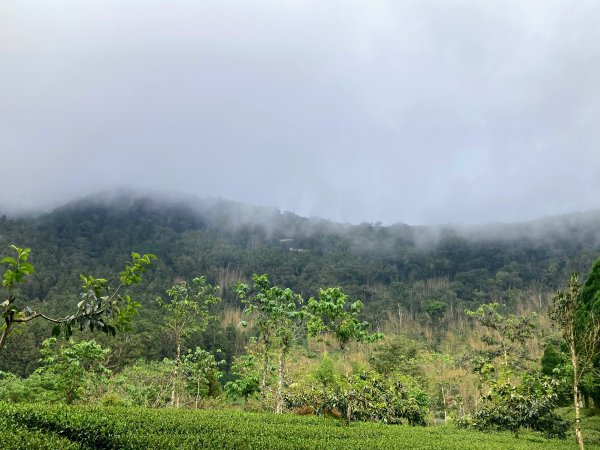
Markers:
point(399, 111)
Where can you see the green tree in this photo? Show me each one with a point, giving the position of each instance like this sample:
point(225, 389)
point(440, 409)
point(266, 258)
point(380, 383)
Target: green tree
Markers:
point(500, 367)
point(101, 308)
point(389, 399)
point(328, 314)
point(186, 312)
point(278, 319)
point(75, 367)
point(397, 353)
point(202, 373)
point(575, 313)
point(510, 333)
point(435, 310)
point(247, 381)
point(590, 291)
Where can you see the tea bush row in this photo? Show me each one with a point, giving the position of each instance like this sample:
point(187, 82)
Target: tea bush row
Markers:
point(16, 436)
point(138, 428)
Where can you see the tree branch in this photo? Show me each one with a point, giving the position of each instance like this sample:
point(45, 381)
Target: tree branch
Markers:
point(35, 315)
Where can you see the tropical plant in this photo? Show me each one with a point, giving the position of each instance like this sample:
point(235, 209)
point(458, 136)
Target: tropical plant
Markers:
point(576, 314)
point(328, 314)
point(512, 406)
point(101, 308)
point(186, 312)
point(202, 373)
point(279, 321)
point(75, 367)
point(247, 378)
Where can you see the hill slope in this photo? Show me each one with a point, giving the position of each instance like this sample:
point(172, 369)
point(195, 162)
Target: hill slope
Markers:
point(426, 274)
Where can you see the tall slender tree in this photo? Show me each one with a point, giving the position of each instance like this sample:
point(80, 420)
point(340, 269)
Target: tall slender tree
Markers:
point(278, 317)
point(328, 314)
point(187, 312)
point(575, 312)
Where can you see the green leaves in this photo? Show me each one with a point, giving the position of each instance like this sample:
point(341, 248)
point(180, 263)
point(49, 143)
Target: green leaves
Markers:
point(100, 307)
point(202, 371)
point(103, 309)
point(187, 306)
point(9, 260)
point(186, 309)
point(73, 367)
point(276, 311)
point(247, 381)
point(184, 429)
point(132, 273)
point(19, 267)
point(278, 318)
point(328, 314)
point(389, 399)
point(527, 404)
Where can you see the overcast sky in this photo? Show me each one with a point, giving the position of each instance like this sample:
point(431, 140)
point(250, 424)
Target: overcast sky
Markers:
point(395, 111)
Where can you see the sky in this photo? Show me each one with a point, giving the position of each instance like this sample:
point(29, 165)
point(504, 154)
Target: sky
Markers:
point(418, 112)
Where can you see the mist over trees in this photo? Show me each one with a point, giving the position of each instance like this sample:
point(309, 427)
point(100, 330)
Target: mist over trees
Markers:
point(414, 275)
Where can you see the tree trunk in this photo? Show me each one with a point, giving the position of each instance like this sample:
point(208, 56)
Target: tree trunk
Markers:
point(350, 388)
point(445, 406)
point(279, 405)
point(505, 352)
point(350, 397)
point(263, 381)
point(578, 435)
point(175, 392)
point(5, 333)
point(197, 391)
point(9, 319)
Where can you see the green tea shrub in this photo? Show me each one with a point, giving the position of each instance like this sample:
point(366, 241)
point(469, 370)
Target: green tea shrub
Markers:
point(37, 426)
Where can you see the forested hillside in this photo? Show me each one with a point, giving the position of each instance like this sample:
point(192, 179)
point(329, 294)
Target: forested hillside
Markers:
point(419, 279)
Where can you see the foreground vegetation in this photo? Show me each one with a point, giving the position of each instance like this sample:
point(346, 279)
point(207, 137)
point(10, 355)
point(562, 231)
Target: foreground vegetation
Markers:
point(511, 394)
point(40, 427)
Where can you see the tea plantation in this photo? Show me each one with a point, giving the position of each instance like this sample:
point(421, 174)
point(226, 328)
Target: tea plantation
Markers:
point(59, 427)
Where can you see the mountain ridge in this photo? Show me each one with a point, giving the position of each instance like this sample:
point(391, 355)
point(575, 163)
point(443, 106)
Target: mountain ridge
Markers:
point(126, 196)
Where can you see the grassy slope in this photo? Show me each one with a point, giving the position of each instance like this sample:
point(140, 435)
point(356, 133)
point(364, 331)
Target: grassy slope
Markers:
point(134, 428)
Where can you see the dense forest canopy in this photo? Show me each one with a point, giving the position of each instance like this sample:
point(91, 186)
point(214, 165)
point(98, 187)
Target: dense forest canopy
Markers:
point(419, 275)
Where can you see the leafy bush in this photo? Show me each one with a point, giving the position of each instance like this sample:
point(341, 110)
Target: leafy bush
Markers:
point(247, 381)
point(35, 388)
point(202, 374)
point(529, 404)
point(75, 368)
point(150, 384)
point(145, 384)
point(375, 398)
point(389, 399)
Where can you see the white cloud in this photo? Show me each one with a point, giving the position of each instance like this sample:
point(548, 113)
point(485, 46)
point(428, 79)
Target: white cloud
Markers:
point(411, 111)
